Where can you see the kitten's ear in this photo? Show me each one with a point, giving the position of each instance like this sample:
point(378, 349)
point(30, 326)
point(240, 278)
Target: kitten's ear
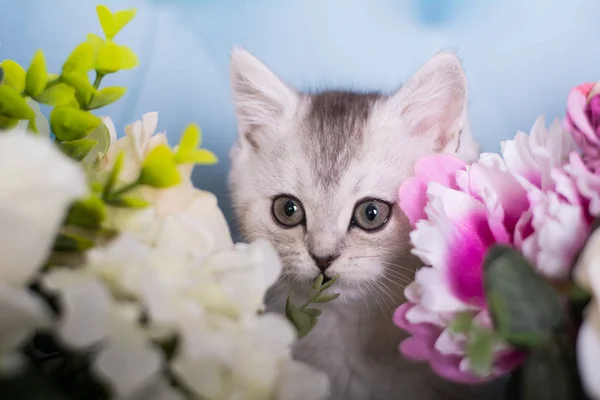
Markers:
point(260, 97)
point(434, 100)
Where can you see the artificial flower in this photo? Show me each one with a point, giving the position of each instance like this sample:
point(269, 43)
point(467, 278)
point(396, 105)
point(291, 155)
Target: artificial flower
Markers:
point(248, 360)
point(463, 210)
point(34, 169)
point(139, 139)
point(587, 275)
point(583, 121)
point(534, 156)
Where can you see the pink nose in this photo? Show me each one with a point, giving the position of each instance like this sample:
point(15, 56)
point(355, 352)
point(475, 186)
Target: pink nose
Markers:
point(323, 262)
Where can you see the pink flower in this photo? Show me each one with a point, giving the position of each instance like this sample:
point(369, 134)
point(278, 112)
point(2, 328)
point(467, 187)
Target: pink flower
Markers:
point(583, 121)
point(526, 200)
point(459, 211)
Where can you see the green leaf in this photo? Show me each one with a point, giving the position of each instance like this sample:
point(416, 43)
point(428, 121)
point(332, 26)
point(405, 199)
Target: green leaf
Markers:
point(301, 321)
point(159, 169)
point(102, 135)
point(81, 60)
point(72, 242)
point(78, 149)
point(37, 75)
point(14, 107)
point(480, 351)
point(114, 57)
point(1, 75)
point(111, 23)
point(84, 89)
point(96, 41)
point(107, 21)
point(14, 75)
point(114, 174)
point(462, 322)
point(127, 202)
point(87, 213)
point(122, 18)
point(546, 375)
point(318, 282)
point(313, 312)
point(106, 96)
point(326, 298)
point(329, 284)
point(525, 309)
point(52, 79)
point(191, 137)
point(196, 156)
point(71, 124)
point(60, 94)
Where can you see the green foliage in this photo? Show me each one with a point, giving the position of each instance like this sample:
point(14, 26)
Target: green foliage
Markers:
point(303, 318)
point(87, 213)
point(72, 124)
point(71, 242)
point(14, 108)
point(78, 149)
point(114, 57)
point(480, 350)
point(14, 75)
point(37, 75)
point(549, 373)
point(113, 23)
point(159, 169)
point(106, 96)
point(525, 309)
point(188, 151)
point(57, 95)
point(1, 75)
point(462, 322)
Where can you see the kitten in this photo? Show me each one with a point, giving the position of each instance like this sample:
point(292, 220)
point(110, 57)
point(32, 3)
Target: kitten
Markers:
point(318, 175)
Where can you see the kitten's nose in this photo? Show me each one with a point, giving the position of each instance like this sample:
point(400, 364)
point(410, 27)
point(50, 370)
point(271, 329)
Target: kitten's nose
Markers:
point(323, 262)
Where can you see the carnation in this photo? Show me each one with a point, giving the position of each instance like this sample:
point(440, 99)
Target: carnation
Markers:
point(507, 271)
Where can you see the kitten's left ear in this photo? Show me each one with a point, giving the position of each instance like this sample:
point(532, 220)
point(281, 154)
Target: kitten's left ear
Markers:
point(434, 100)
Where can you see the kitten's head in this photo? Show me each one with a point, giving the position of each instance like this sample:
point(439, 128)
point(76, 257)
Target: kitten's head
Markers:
point(318, 174)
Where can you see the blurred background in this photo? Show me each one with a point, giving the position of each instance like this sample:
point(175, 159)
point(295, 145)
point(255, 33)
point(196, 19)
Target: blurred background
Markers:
point(521, 56)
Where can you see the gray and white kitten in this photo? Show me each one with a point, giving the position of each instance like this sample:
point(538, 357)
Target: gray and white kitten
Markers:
point(318, 175)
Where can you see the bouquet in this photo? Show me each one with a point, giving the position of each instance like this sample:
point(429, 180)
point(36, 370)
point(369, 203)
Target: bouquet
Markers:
point(118, 278)
point(512, 255)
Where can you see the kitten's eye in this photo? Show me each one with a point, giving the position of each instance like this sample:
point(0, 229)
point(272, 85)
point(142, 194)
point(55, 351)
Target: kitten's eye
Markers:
point(371, 215)
point(288, 211)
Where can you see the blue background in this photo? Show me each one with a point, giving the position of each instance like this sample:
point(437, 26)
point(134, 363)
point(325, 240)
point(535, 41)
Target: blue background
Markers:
point(521, 56)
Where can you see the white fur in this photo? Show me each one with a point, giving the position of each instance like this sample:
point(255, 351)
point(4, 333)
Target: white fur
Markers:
point(355, 342)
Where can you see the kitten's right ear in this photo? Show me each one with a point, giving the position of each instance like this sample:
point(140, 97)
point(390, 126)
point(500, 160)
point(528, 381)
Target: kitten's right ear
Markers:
point(260, 97)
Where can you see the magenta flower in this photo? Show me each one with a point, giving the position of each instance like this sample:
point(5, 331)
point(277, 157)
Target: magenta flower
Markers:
point(530, 199)
point(583, 121)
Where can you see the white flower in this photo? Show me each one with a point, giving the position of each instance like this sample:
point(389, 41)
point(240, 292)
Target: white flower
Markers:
point(139, 139)
point(249, 360)
point(587, 274)
point(37, 185)
point(90, 316)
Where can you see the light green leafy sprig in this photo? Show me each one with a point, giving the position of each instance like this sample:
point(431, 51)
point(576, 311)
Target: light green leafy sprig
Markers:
point(71, 93)
point(304, 318)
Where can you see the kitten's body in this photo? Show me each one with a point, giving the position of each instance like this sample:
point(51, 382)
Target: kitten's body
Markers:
point(329, 151)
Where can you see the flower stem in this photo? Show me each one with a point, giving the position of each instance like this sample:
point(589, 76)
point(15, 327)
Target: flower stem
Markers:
point(98, 80)
point(125, 188)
